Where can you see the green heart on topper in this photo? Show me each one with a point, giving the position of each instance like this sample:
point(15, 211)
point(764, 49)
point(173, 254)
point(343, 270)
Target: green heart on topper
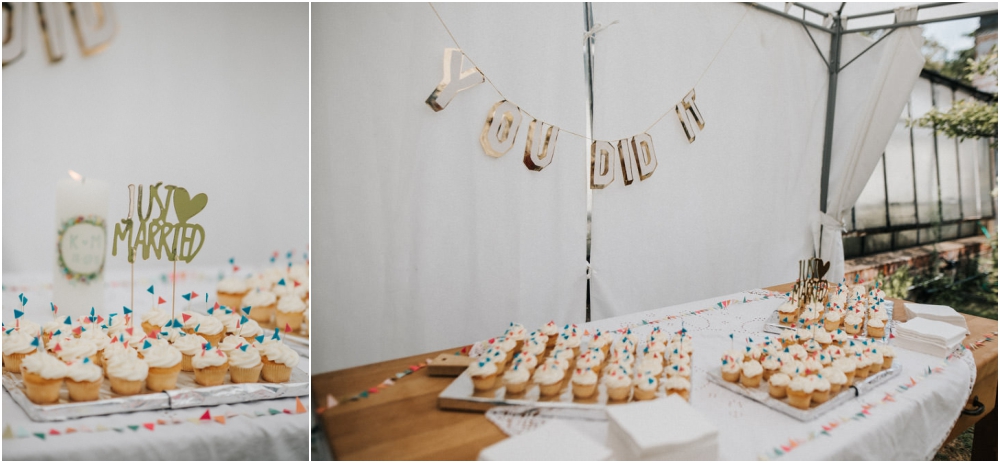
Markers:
point(154, 234)
point(185, 206)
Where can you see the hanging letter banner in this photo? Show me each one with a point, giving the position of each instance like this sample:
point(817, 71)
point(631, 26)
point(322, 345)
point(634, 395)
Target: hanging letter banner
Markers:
point(501, 128)
point(454, 80)
point(601, 158)
point(686, 111)
point(541, 145)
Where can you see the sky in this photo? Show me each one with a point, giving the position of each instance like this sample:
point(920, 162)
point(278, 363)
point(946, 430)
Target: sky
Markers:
point(953, 34)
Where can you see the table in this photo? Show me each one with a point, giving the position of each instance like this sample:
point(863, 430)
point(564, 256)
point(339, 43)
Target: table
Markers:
point(403, 421)
point(250, 431)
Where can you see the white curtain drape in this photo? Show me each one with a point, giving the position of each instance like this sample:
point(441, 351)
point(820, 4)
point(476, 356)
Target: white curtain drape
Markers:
point(871, 94)
point(420, 241)
point(733, 209)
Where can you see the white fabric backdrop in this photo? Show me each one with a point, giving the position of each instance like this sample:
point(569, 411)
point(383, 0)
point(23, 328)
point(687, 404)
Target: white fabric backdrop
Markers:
point(416, 230)
point(733, 209)
point(213, 97)
point(871, 94)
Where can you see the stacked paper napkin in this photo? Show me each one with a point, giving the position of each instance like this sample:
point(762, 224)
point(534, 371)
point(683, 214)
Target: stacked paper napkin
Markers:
point(941, 313)
point(929, 336)
point(553, 441)
point(664, 429)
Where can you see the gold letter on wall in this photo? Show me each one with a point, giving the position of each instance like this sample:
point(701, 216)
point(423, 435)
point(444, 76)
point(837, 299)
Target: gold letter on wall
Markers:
point(602, 172)
point(501, 128)
point(454, 80)
point(686, 111)
point(52, 18)
point(645, 157)
point(541, 145)
point(13, 30)
point(95, 25)
point(627, 159)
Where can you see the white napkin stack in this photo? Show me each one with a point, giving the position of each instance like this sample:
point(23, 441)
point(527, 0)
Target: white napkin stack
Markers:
point(553, 441)
point(941, 313)
point(664, 429)
point(931, 337)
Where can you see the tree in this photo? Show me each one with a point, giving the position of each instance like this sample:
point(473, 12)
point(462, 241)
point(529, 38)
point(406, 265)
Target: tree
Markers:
point(968, 118)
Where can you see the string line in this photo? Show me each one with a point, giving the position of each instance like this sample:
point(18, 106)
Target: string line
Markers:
point(495, 88)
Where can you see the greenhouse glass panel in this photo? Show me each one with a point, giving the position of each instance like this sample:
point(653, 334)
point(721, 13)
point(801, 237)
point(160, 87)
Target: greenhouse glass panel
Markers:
point(948, 163)
point(923, 155)
point(869, 211)
point(899, 174)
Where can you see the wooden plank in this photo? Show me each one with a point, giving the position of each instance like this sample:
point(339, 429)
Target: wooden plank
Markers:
point(403, 422)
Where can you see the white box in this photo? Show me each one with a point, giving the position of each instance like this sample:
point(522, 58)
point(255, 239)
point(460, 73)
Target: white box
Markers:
point(663, 429)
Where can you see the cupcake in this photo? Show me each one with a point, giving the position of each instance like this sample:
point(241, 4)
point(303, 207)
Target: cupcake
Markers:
point(189, 345)
point(616, 365)
point(888, 353)
point(835, 377)
point(564, 358)
point(771, 365)
point(823, 337)
point(539, 338)
point(248, 329)
point(231, 342)
point(73, 349)
point(278, 360)
point(290, 312)
point(644, 386)
point(53, 329)
point(778, 385)
point(526, 360)
point(570, 340)
point(584, 383)
point(852, 323)
point(516, 379)
point(27, 328)
point(601, 342)
point(793, 368)
point(535, 346)
point(679, 369)
point(848, 366)
point(618, 383)
point(876, 328)
point(154, 319)
point(877, 359)
point(821, 389)
point(164, 363)
point(43, 377)
point(800, 392)
point(190, 321)
point(549, 378)
point(245, 364)
point(731, 368)
point(751, 374)
point(211, 329)
point(259, 306)
point(230, 291)
point(518, 334)
point(83, 380)
point(832, 319)
point(16, 346)
point(653, 363)
point(100, 340)
point(551, 330)
point(116, 324)
point(678, 385)
point(127, 373)
point(788, 311)
point(864, 365)
point(210, 366)
point(590, 360)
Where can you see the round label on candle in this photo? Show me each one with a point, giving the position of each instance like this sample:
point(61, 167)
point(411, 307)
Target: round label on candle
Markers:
point(81, 248)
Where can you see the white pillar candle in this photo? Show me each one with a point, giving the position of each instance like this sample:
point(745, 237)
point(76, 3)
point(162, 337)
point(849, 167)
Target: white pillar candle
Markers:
point(81, 245)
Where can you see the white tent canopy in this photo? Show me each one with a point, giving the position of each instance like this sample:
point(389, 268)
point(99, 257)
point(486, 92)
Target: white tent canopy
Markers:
point(428, 243)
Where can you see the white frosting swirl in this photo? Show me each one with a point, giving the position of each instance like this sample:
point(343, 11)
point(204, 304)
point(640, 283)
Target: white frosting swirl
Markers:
point(156, 317)
point(291, 304)
point(44, 365)
point(677, 383)
point(516, 375)
point(549, 373)
point(584, 376)
point(278, 352)
point(244, 359)
point(752, 368)
point(75, 349)
point(209, 358)
point(190, 344)
point(84, 372)
point(209, 325)
point(801, 383)
point(17, 342)
point(483, 367)
point(259, 299)
point(231, 342)
point(128, 367)
point(231, 285)
point(162, 356)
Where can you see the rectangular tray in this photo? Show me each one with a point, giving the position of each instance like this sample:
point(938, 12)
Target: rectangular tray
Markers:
point(772, 326)
point(188, 394)
point(460, 395)
point(760, 394)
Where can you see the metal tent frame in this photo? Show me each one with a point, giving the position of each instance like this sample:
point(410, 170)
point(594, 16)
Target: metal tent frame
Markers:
point(836, 29)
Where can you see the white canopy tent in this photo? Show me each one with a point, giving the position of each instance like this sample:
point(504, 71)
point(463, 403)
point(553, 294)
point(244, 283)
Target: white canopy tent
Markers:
point(428, 243)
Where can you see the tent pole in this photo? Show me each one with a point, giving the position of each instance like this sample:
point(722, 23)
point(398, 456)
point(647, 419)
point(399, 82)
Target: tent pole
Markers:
point(588, 56)
point(920, 22)
point(831, 106)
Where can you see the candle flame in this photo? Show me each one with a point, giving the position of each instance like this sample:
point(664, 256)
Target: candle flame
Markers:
point(75, 176)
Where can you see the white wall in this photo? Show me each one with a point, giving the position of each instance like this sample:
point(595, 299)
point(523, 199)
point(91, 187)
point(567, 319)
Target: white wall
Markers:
point(211, 97)
point(421, 241)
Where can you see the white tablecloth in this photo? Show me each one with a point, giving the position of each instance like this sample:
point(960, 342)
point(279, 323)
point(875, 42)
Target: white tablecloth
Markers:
point(269, 437)
point(911, 424)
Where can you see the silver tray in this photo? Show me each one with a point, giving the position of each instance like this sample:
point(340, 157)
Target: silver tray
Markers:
point(772, 326)
point(760, 394)
point(460, 395)
point(188, 394)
